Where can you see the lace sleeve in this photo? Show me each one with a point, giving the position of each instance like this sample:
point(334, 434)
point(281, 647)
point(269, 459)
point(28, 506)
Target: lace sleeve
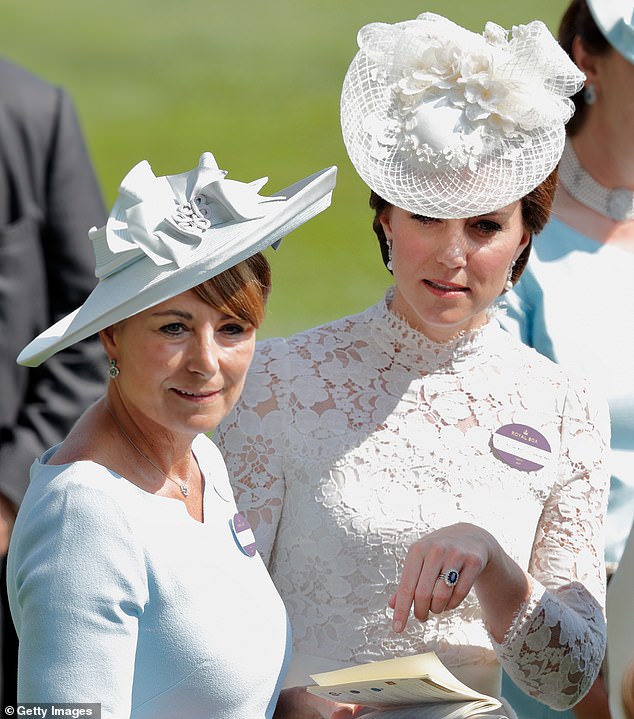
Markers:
point(251, 440)
point(556, 644)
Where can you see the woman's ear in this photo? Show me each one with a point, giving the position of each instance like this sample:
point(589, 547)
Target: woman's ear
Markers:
point(586, 61)
point(524, 242)
point(109, 340)
point(386, 223)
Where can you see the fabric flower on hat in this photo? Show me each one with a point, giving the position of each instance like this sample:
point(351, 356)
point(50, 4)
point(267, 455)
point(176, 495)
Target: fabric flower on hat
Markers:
point(454, 93)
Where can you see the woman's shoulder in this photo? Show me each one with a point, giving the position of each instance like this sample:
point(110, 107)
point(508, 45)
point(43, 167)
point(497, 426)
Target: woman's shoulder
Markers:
point(530, 366)
point(77, 519)
point(51, 475)
point(81, 495)
point(538, 373)
point(76, 529)
point(337, 332)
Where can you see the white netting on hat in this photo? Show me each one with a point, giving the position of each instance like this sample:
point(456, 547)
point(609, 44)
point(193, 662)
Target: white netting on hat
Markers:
point(444, 122)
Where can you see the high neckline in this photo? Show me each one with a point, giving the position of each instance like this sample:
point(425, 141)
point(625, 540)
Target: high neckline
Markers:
point(413, 347)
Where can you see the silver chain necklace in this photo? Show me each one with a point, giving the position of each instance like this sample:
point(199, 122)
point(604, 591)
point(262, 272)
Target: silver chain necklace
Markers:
point(617, 203)
point(181, 484)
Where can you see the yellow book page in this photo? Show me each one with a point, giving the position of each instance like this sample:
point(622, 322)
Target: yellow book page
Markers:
point(384, 693)
point(425, 665)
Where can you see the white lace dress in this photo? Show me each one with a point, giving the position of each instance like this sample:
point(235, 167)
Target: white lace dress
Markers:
point(353, 439)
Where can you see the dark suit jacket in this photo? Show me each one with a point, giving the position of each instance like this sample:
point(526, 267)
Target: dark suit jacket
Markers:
point(49, 199)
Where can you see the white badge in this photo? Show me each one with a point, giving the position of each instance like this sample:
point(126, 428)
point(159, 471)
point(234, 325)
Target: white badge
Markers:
point(243, 535)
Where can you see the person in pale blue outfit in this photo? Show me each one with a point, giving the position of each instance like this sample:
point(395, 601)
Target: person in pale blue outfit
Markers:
point(575, 300)
point(133, 581)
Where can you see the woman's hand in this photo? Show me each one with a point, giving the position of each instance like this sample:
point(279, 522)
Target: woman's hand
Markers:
point(479, 561)
point(297, 703)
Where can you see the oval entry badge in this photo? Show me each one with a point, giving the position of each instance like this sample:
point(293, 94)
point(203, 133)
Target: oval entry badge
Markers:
point(243, 534)
point(521, 447)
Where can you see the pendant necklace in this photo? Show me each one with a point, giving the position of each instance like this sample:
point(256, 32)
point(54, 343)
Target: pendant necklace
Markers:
point(181, 484)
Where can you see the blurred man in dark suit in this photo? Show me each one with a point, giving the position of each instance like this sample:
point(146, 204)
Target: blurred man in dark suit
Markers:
point(49, 199)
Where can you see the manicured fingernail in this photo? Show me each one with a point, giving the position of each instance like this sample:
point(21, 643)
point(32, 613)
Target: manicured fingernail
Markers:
point(397, 625)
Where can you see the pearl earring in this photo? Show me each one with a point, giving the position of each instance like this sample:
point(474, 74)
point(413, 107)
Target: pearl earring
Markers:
point(389, 256)
point(508, 285)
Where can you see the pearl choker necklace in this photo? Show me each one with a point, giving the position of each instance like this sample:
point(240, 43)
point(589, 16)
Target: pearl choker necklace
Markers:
point(617, 204)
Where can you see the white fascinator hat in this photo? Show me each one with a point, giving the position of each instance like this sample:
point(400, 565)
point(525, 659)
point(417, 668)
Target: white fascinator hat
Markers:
point(448, 123)
point(615, 19)
point(165, 235)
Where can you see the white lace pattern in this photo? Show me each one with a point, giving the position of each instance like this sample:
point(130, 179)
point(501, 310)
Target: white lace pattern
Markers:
point(353, 439)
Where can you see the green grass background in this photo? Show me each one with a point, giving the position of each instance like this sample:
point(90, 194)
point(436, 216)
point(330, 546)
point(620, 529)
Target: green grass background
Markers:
point(257, 82)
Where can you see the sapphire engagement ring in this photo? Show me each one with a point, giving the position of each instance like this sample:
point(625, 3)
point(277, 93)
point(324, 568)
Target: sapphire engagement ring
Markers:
point(450, 577)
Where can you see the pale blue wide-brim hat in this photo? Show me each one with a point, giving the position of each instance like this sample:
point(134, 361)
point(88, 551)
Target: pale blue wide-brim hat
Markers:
point(165, 235)
point(615, 19)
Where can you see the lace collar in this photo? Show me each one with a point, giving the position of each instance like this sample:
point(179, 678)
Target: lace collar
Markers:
point(413, 348)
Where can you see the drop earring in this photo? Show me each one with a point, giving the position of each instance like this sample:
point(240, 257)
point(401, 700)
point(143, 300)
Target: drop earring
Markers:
point(113, 370)
point(388, 264)
point(508, 285)
point(590, 94)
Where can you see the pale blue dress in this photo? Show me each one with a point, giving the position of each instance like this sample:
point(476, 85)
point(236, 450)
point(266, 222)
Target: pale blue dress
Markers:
point(575, 304)
point(121, 598)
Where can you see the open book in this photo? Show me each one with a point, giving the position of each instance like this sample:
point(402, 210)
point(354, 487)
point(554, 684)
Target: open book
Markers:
point(413, 687)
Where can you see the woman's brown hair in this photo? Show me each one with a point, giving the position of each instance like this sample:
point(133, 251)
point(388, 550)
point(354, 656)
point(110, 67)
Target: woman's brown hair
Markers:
point(241, 291)
point(577, 21)
point(536, 206)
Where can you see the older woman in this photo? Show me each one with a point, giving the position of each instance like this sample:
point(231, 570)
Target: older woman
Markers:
point(133, 581)
point(415, 454)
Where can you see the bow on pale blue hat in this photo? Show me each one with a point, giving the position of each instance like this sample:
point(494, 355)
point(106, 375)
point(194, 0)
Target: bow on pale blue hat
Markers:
point(615, 19)
point(167, 218)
